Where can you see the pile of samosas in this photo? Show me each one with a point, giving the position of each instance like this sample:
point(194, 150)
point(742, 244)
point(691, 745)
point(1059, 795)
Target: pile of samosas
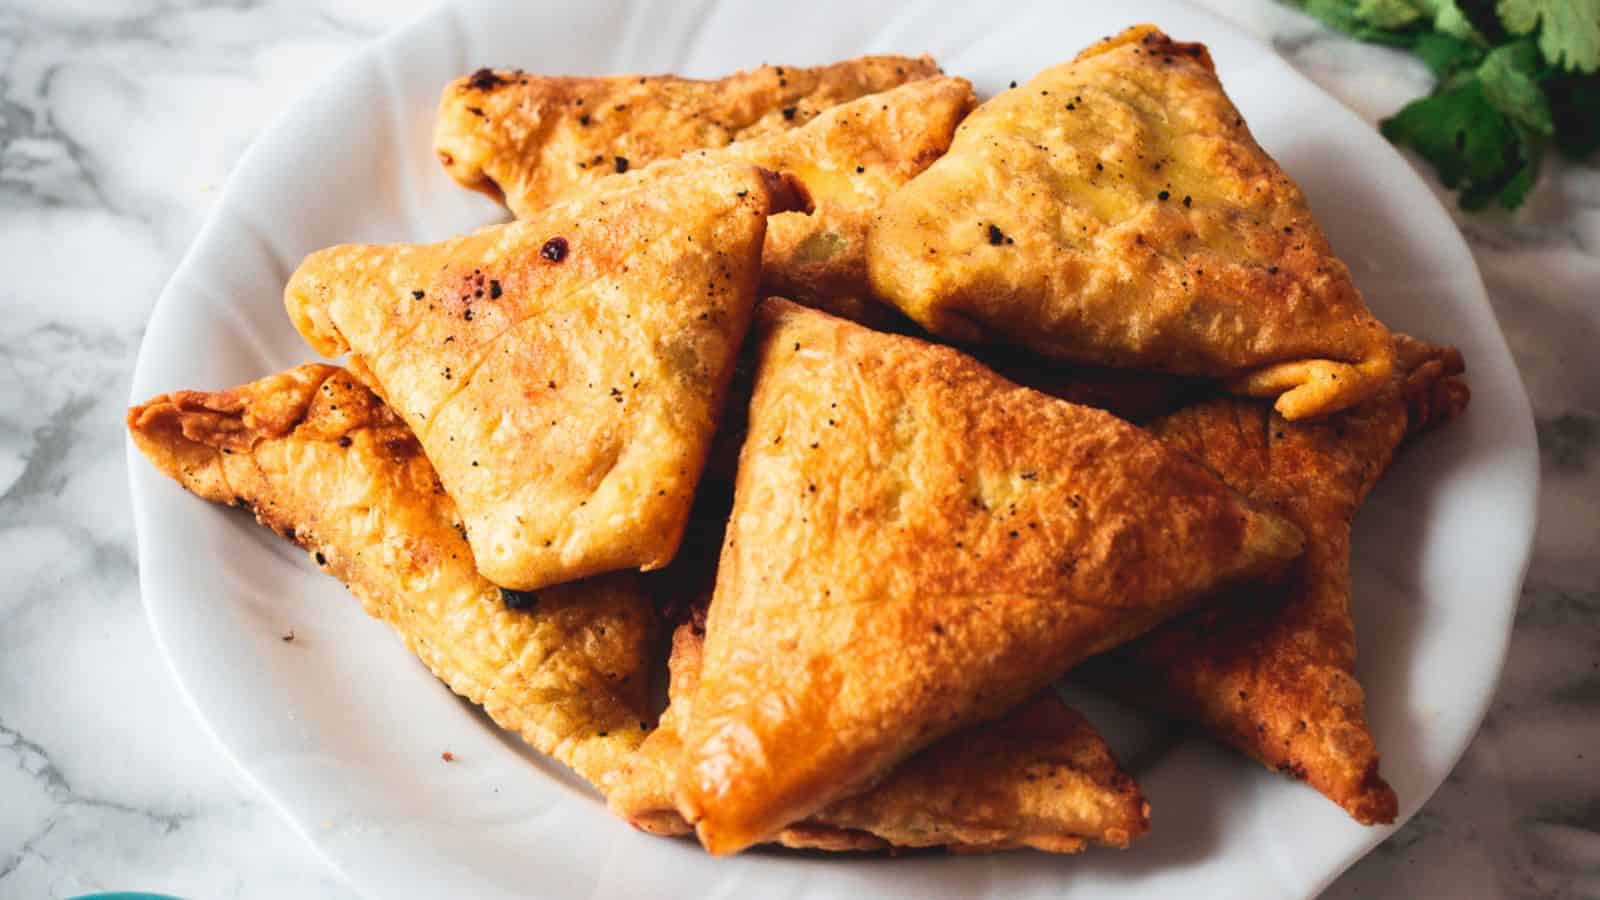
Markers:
point(1068, 381)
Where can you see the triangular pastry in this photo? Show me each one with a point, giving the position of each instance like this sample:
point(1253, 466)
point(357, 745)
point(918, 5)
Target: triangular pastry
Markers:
point(1039, 777)
point(1116, 210)
point(1274, 673)
point(918, 545)
point(321, 461)
point(851, 157)
point(528, 139)
point(564, 373)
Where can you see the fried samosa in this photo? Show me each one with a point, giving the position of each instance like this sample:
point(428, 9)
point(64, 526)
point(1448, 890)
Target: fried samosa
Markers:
point(528, 139)
point(564, 373)
point(323, 462)
point(1040, 777)
point(1274, 674)
point(1116, 210)
point(916, 546)
point(851, 157)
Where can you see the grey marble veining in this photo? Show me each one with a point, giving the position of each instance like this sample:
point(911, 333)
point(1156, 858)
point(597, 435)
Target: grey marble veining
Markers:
point(118, 120)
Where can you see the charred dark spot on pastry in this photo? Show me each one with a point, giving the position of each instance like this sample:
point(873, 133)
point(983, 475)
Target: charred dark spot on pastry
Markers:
point(1164, 196)
point(555, 249)
point(583, 119)
point(418, 295)
point(621, 163)
point(322, 560)
point(401, 447)
point(494, 289)
point(518, 599)
point(789, 111)
point(476, 110)
point(1188, 201)
point(485, 79)
point(998, 237)
point(344, 440)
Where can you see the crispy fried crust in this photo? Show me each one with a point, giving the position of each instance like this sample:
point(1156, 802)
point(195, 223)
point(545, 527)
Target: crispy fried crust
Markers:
point(1115, 210)
point(851, 158)
point(1274, 674)
point(528, 139)
point(1039, 777)
point(323, 462)
point(918, 545)
point(564, 373)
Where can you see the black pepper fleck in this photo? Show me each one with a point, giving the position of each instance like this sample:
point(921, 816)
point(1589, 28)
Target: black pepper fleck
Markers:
point(621, 163)
point(554, 249)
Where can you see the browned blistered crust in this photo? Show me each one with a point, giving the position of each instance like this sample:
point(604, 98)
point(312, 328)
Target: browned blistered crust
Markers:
point(1273, 671)
point(320, 460)
point(528, 139)
point(565, 372)
point(1039, 777)
point(918, 545)
point(1116, 210)
point(851, 156)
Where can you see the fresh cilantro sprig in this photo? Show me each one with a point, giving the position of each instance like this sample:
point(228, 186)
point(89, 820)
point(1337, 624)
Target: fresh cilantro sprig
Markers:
point(1514, 78)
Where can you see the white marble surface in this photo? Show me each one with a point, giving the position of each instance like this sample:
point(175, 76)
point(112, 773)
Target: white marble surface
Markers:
point(119, 120)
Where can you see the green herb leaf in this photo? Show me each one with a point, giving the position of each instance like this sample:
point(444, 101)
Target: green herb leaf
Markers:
point(1569, 30)
point(1449, 18)
point(1345, 16)
point(1389, 14)
point(1474, 146)
point(1446, 55)
point(1509, 76)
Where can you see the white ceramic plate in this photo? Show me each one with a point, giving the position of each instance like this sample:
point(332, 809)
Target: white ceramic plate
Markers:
point(343, 730)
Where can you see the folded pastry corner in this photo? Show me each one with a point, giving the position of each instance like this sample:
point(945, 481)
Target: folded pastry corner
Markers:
point(1273, 672)
point(322, 461)
point(1039, 777)
point(851, 152)
point(852, 158)
point(1116, 210)
point(564, 373)
point(528, 139)
point(916, 546)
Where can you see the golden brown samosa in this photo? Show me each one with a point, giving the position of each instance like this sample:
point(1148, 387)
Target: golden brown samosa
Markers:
point(1040, 777)
point(564, 373)
point(322, 461)
point(1116, 210)
point(1273, 672)
point(528, 139)
point(916, 546)
point(851, 157)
